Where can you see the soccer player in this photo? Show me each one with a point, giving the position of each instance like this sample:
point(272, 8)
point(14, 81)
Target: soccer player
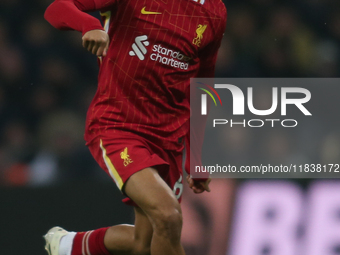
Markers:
point(138, 121)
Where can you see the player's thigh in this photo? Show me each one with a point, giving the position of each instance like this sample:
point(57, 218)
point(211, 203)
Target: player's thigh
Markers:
point(150, 192)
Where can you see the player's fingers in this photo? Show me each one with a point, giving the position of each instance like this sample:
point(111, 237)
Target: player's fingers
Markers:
point(197, 187)
point(197, 190)
point(206, 185)
point(95, 48)
point(190, 182)
point(106, 48)
point(200, 187)
point(85, 43)
point(102, 50)
point(90, 46)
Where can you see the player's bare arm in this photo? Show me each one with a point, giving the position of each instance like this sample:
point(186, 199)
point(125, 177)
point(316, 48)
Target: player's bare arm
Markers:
point(97, 42)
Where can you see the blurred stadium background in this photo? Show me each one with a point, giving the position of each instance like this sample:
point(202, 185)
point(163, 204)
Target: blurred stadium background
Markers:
point(48, 177)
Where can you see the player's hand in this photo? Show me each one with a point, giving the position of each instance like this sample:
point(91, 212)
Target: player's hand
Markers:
point(198, 186)
point(96, 41)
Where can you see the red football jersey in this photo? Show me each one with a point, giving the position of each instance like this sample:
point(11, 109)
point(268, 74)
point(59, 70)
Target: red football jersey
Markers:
point(155, 48)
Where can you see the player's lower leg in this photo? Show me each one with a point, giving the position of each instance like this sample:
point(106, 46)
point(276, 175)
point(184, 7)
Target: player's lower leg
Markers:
point(157, 227)
point(118, 240)
point(148, 190)
point(128, 239)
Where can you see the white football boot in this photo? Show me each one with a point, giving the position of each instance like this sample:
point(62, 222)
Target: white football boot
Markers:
point(52, 239)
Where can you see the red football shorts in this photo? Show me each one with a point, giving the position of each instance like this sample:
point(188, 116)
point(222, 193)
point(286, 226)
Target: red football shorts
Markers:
point(122, 154)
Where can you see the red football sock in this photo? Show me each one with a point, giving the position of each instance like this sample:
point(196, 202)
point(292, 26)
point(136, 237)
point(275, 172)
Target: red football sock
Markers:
point(90, 243)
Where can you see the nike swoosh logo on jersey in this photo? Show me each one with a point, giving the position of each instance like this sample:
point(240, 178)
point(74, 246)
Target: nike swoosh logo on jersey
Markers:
point(143, 11)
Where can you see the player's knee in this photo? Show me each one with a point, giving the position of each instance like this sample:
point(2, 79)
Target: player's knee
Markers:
point(168, 223)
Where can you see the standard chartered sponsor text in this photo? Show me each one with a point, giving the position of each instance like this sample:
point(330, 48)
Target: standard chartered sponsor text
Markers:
point(169, 57)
